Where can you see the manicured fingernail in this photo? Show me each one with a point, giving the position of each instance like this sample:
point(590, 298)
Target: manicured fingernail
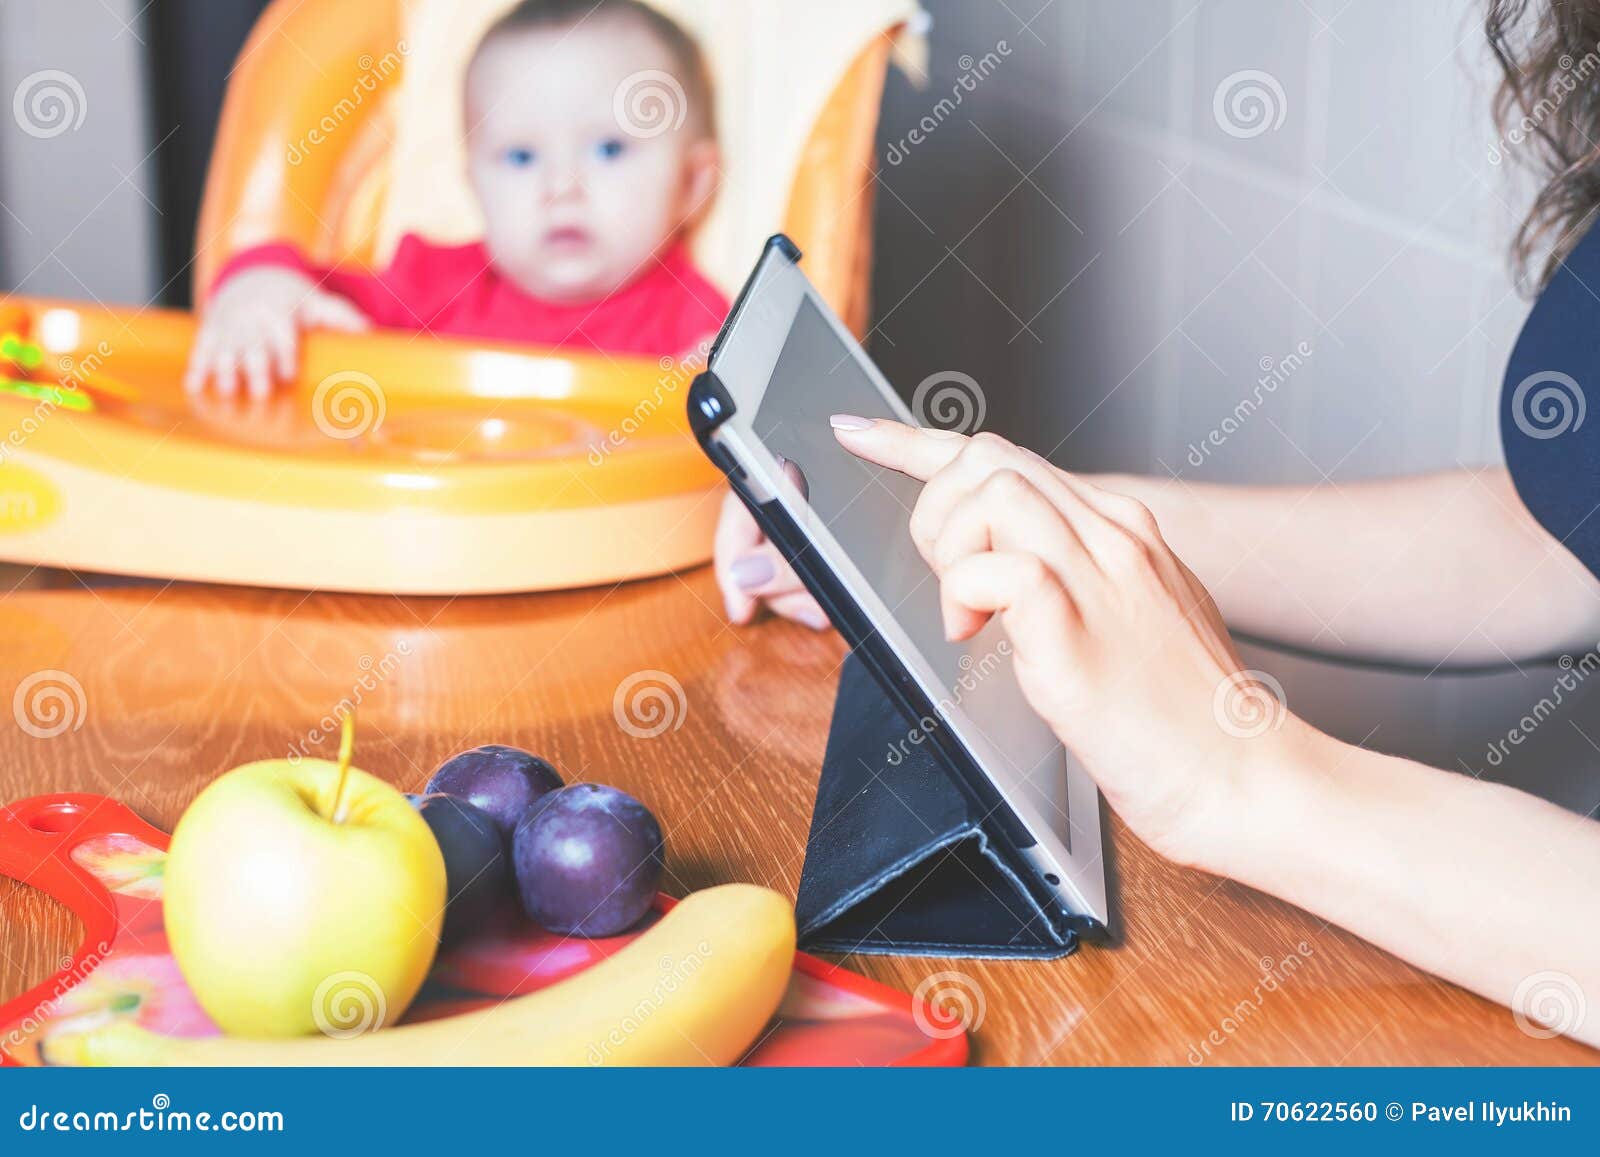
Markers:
point(848, 422)
point(752, 571)
point(814, 619)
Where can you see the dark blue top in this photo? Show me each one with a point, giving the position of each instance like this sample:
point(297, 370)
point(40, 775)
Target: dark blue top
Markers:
point(1552, 442)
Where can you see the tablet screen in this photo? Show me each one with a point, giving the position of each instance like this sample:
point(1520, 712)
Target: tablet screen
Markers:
point(868, 510)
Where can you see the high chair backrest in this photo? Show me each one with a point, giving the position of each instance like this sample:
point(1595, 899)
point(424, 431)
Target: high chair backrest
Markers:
point(342, 131)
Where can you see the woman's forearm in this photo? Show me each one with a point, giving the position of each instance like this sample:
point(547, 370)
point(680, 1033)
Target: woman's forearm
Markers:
point(1476, 882)
point(1440, 568)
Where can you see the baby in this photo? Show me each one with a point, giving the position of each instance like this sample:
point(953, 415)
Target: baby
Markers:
point(585, 213)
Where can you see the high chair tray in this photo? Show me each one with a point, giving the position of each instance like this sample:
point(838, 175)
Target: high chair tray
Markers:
point(396, 463)
point(106, 865)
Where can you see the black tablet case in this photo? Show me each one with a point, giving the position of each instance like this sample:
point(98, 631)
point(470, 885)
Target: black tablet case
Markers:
point(897, 861)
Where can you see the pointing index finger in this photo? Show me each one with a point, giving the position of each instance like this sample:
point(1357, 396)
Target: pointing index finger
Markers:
point(917, 452)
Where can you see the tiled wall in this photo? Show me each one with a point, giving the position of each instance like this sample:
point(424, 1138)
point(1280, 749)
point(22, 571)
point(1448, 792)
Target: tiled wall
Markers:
point(77, 175)
point(1077, 232)
point(1084, 236)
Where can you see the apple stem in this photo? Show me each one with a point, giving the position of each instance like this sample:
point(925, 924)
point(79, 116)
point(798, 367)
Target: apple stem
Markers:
point(347, 747)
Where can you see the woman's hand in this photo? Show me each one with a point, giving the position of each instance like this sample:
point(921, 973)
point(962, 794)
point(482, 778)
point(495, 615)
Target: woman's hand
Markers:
point(752, 573)
point(1430, 570)
point(1116, 644)
point(250, 331)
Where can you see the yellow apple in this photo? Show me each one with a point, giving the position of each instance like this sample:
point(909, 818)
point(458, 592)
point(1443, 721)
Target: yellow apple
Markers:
point(303, 896)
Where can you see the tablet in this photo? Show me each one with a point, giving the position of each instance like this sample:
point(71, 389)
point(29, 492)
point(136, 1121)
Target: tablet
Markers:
point(781, 366)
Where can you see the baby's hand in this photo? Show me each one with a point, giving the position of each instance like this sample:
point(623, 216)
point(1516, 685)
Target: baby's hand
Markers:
point(251, 330)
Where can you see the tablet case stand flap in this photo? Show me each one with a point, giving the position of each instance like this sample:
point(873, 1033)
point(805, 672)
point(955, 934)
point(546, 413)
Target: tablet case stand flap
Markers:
point(897, 862)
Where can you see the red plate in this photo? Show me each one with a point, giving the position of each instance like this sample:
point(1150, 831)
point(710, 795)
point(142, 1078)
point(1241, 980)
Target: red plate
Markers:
point(106, 865)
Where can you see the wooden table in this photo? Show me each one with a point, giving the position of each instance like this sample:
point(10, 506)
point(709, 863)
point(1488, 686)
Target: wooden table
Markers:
point(181, 683)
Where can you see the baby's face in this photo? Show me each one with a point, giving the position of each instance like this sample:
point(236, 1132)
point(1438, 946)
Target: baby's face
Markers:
point(574, 204)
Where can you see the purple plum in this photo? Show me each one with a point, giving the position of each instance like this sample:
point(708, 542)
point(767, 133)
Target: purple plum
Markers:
point(588, 860)
point(503, 781)
point(476, 867)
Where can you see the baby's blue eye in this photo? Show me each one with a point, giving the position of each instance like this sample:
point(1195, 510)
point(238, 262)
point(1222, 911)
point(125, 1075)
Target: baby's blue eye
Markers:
point(519, 158)
point(610, 149)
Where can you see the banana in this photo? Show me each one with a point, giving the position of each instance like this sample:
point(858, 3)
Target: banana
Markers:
point(696, 988)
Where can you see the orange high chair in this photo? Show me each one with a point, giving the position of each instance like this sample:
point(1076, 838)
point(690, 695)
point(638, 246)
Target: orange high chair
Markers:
point(401, 462)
